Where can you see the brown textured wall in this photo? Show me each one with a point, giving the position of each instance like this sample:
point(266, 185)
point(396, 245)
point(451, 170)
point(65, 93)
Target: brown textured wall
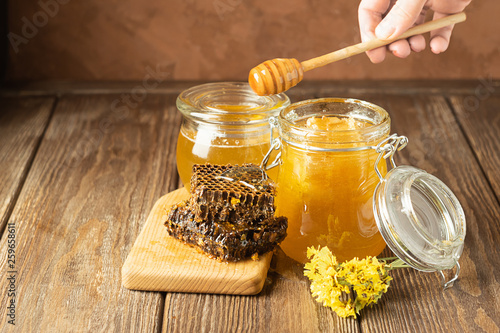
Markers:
point(223, 39)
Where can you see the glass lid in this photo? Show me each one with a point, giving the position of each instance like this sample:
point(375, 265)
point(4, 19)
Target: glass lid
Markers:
point(420, 219)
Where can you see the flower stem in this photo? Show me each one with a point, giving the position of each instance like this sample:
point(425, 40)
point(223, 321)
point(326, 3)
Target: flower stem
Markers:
point(388, 259)
point(395, 264)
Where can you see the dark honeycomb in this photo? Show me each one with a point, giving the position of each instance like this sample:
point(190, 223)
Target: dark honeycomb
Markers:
point(226, 241)
point(230, 214)
point(221, 193)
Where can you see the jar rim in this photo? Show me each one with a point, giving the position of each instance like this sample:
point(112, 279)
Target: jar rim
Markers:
point(379, 125)
point(229, 103)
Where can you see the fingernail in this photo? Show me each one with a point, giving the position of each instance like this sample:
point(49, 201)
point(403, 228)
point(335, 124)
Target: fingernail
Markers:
point(435, 51)
point(384, 30)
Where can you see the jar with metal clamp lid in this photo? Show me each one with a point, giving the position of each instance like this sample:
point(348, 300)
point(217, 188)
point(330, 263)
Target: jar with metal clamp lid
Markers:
point(326, 178)
point(334, 188)
point(223, 123)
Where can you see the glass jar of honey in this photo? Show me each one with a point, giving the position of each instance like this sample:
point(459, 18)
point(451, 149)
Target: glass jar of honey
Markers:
point(327, 178)
point(225, 123)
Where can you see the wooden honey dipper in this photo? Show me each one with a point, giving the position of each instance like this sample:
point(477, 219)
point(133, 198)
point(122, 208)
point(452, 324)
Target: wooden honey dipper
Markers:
point(278, 75)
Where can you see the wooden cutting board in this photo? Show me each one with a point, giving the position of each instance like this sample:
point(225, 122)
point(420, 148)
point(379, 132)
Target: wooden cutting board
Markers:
point(158, 262)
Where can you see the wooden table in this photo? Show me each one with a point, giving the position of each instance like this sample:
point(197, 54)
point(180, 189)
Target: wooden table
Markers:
point(79, 176)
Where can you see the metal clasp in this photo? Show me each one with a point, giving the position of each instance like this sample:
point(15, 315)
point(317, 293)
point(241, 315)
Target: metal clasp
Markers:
point(449, 284)
point(275, 145)
point(387, 148)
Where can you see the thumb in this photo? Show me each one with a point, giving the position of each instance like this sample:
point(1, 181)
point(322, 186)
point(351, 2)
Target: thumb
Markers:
point(400, 18)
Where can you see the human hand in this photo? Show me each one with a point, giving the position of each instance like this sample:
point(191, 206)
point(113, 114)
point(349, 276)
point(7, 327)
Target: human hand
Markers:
point(387, 19)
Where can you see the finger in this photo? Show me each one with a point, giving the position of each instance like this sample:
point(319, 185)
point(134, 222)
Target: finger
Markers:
point(369, 16)
point(400, 18)
point(440, 38)
point(403, 48)
point(450, 7)
point(400, 48)
point(417, 43)
point(377, 55)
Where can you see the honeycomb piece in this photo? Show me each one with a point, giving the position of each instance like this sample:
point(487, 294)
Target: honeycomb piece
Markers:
point(230, 213)
point(227, 193)
point(223, 240)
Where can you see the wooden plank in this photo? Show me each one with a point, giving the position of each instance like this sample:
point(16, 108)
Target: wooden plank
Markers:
point(22, 123)
point(284, 305)
point(158, 262)
point(479, 116)
point(415, 301)
point(95, 178)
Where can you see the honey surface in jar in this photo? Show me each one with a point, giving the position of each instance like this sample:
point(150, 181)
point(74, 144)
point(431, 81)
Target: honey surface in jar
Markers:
point(206, 144)
point(327, 195)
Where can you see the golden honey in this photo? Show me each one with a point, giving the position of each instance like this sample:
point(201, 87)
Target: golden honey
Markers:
point(327, 178)
point(193, 148)
point(225, 123)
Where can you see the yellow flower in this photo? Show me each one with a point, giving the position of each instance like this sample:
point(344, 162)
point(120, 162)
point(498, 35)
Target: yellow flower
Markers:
point(346, 287)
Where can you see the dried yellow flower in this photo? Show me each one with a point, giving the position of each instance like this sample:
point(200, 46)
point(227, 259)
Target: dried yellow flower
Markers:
point(346, 287)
